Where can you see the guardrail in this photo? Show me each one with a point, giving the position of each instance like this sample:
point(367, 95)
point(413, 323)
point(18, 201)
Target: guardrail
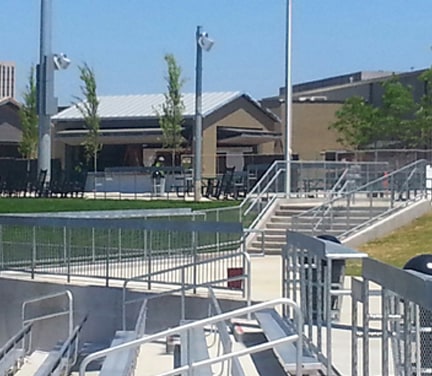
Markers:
point(194, 283)
point(61, 362)
point(297, 338)
point(65, 312)
point(109, 248)
point(401, 186)
point(11, 355)
point(313, 276)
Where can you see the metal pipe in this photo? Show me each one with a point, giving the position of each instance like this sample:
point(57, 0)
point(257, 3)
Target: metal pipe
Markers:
point(288, 96)
point(198, 119)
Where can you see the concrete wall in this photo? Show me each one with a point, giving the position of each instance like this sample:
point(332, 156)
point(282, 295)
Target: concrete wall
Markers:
point(310, 122)
point(102, 305)
point(390, 224)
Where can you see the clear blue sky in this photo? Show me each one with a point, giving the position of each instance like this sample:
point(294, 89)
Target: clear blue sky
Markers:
point(125, 41)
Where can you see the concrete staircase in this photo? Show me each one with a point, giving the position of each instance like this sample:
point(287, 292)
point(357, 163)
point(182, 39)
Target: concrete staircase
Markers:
point(274, 226)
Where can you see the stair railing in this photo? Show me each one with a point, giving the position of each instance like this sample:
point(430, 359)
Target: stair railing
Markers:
point(9, 356)
point(382, 190)
point(285, 302)
point(63, 361)
point(245, 277)
point(64, 312)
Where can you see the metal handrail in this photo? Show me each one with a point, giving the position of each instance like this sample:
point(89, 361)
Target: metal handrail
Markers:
point(363, 188)
point(246, 277)
point(261, 193)
point(332, 193)
point(69, 311)
point(15, 340)
point(72, 341)
point(298, 338)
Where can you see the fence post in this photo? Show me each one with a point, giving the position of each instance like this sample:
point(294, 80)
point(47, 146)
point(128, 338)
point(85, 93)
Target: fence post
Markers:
point(217, 233)
point(1, 248)
point(68, 250)
point(120, 244)
point(93, 244)
point(33, 253)
point(106, 265)
point(149, 252)
point(64, 245)
point(195, 256)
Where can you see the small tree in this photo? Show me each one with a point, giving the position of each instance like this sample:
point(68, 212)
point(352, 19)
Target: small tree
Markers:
point(356, 124)
point(171, 116)
point(424, 111)
point(88, 106)
point(397, 113)
point(28, 146)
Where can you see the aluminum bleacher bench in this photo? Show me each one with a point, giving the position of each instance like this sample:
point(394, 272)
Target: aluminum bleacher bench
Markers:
point(274, 327)
point(11, 360)
point(119, 363)
point(194, 348)
point(236, 368)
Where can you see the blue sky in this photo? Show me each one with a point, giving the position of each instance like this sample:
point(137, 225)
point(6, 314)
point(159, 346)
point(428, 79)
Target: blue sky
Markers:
point(125, 41)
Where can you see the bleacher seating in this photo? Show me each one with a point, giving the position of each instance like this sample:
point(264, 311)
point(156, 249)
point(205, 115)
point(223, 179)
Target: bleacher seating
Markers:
point(194, 348)
point(274, 327)
point(120, 363)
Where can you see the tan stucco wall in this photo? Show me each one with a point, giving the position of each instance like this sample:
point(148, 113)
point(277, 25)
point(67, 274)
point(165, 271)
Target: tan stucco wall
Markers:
point(310, 133)
point(209, 152)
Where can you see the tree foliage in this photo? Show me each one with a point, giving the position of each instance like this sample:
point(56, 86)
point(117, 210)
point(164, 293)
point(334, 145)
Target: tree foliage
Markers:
point(397, 113)
point(88, 106)
point(424, 111)
point(356, 123)
point(28, 146)
point(398, 122)
point(171, 115)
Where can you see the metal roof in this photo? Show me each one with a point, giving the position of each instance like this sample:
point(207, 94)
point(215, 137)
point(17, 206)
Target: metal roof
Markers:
point(147, 105)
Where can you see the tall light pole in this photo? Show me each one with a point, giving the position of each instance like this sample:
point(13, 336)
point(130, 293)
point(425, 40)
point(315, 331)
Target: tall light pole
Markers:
point(47, 103)
point(288, 97)
point(202, 42)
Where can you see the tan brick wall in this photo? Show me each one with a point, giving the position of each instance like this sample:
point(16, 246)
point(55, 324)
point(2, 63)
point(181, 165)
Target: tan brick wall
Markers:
point(310, 133)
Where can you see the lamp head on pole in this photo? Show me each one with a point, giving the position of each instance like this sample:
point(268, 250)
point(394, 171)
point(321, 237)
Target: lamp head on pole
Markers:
point(61, 61)
point(205, 42)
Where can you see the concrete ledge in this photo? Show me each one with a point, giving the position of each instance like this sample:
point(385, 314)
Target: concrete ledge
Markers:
point(395, 221)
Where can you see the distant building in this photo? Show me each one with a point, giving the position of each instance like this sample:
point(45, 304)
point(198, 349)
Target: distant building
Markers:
point(315, 104)
point(7, 80)
point(235, 127)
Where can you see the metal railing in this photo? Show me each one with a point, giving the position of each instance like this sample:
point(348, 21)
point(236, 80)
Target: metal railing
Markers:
point(380, 196)
point(110, 248)
point(63, 312)
point(61, 362)
point(297, 338)
point(13, 351)
point(402, 320)
point(313, 276)
point(389, 331)
point(185, 283)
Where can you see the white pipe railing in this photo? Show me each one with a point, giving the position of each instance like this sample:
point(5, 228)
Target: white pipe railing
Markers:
point(246, 277)
point(297, 338)
point(68, 312)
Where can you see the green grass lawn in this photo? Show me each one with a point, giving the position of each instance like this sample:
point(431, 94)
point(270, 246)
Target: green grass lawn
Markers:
point(39, 205)
point(400, 246)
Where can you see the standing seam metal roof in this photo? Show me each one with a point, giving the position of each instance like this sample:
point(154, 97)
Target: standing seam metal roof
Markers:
point(146, 106)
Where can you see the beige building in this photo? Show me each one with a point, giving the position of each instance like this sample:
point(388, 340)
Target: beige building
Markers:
point(234, 126)
point(7, 80)
point(311, 136)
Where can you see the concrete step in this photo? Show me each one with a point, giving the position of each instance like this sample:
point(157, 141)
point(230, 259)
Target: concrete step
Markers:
point(32, 363)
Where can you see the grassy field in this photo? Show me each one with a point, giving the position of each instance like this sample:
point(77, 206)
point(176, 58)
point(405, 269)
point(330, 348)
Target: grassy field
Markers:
point(397, 248)
point(39, 205)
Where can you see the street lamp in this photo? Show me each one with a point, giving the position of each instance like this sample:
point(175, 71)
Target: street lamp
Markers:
point(47, 103)
point(203, 42)
point(288, 97)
